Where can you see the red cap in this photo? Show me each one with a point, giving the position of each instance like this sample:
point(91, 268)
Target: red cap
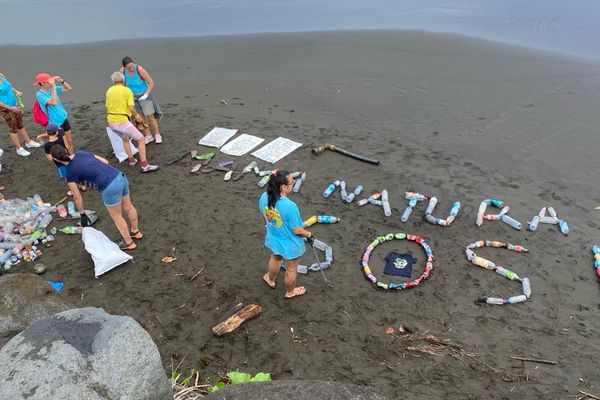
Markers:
point(42, 78)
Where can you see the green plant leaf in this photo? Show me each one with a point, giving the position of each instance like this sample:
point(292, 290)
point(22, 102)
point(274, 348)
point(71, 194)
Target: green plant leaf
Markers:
point(261, 377)
point(237, 377)
point(217, 387)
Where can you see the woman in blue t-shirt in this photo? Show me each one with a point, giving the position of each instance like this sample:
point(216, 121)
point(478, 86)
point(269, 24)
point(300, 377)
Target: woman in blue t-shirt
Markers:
point(285, 232)
point(92, 171)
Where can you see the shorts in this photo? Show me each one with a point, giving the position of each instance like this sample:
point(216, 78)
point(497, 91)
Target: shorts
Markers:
point(113, 194)
point(13, 119)
point(145, 107)
point(126, 128)
point(66, 126)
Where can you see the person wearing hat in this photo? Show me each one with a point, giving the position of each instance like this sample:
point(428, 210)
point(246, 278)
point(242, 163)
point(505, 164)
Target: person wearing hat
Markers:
point(50, 103)
point(14, 117)
point(120, 107)
point(94, 172)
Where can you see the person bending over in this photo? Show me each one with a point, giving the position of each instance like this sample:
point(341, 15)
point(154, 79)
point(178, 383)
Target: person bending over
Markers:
point(94, 172)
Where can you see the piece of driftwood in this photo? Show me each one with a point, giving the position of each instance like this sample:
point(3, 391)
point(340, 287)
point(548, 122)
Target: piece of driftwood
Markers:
point(328, 146)
point(232, 320)
point(591, 396)
point(535, 360)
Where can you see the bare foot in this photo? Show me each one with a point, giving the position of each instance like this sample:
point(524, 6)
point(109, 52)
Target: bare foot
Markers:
point(297, 292)
point(269, 282)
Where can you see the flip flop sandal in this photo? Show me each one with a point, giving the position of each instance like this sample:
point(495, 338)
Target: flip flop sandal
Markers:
point(236, 176)
point(196, 168)
point(127, 246)
point(222, 166)
point(205, 156)
point(298, 291)
point(136, 235)
point(228, 176)
point(179, 157)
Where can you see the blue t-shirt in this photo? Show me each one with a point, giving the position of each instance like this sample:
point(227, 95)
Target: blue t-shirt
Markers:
point(85, 169)
point(7, 96)
point(280, 223)
point(56, 113)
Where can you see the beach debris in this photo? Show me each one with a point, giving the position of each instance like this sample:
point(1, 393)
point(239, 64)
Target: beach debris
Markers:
point(331, 188)
point(551, 219)
point(249, 167)
point(328, 146)
point(39, 268)
point(56, 285)
point(438, 221)
point(348, 198)
point(236, 317)
point(413, 198)
point(224, 102)
point(227, 175)
point(502, 215)
point(596, 252)
point(489, 265)
point(23, 227)
point(169, 259)
point(299, 182)
point(373, 199)
point(589, 395)
point(321, 219)
point(264, 180)
point(389, 330)
point(71, 230)
point(319, 265)
point(535, 360)
point(397, 285)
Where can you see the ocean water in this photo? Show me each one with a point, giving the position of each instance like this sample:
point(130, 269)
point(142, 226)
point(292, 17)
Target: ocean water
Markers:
point(571, 27)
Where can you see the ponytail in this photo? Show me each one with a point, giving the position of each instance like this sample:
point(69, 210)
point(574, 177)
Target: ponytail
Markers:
point(276, 181)
point(59, 153)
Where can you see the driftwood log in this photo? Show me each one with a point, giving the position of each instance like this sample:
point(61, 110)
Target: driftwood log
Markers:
point(328, 146)
point(236, 317)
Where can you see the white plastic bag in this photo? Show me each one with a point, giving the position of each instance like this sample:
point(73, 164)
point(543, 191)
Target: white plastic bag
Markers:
point(117, 145)
point(105, 253)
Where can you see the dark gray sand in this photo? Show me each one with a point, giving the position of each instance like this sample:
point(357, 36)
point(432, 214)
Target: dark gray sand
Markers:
point(457, 118)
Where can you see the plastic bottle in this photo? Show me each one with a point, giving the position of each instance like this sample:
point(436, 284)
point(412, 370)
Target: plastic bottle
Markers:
point(71, 209)
point(406, 214)
point(533, 224)
point(330, 189)
point(327, 219)
point(351, 196)
point(20, 103)
point(542, 212)
point(552, 212)
point(455, 209)
point(62, 211)
point(431, 206)
point(526, 287)
point(299, 182)
point(375, 202)
point(386, 203)
point(564, 227)
point(412, 203)
point(44, 220)
point(549, 220)
point(328, 254)
point(302, 269)
point(507, 273)
point(296, 174)
point(249, 167)
point(480, 212)
point(263, 181)
point(310, 221)
point(491, 300)
point(483, 263)
point(256, 170)
point(511, 221)
point(317, 244)
point(38, 200)
point(516, 299)
point(343, 192)
point(71, 230)
point(265, 173)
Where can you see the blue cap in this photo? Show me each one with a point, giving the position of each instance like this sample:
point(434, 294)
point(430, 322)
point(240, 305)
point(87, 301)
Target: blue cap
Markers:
point(52, 128)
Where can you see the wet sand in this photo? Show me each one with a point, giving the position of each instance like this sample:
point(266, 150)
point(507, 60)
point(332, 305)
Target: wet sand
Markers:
point(458, 118)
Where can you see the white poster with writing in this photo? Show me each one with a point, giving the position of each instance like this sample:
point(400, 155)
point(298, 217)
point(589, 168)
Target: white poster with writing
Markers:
point(241, 145)
point(217, 137)
point(276, 150)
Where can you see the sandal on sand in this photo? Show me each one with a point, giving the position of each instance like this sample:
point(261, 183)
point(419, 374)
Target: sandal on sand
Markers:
point(266, 280)
point(137, 235)
point(196, 168)
point(128, 246)
point(297, 292)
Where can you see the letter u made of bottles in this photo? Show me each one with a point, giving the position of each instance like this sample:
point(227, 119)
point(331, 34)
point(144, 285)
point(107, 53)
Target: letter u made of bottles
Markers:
point(439, 221)
point(489, 265)
point(396, 285)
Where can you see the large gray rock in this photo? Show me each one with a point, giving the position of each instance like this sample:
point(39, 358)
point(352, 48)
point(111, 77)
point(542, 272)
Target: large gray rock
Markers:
point(80, 354)
point(295, 390)
point(25, 298)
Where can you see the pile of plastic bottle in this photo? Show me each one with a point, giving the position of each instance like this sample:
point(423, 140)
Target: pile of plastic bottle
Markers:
point(489, 265)
point(551, 219)
point(397, 285)
point(502, 215)
point(23, 229)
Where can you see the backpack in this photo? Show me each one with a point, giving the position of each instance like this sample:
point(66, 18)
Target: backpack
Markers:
point(39, 116)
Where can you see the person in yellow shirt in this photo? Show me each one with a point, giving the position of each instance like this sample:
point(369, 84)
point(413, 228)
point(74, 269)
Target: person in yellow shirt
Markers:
point(119, 108)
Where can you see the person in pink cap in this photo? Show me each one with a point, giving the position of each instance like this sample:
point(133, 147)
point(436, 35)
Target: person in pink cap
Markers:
point(51, 105)
point(13, 116)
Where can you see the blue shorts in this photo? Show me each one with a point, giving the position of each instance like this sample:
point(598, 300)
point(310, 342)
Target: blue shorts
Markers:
point(113, 194)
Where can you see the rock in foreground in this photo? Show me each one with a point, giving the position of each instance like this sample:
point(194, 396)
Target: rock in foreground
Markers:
point(83, 354)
